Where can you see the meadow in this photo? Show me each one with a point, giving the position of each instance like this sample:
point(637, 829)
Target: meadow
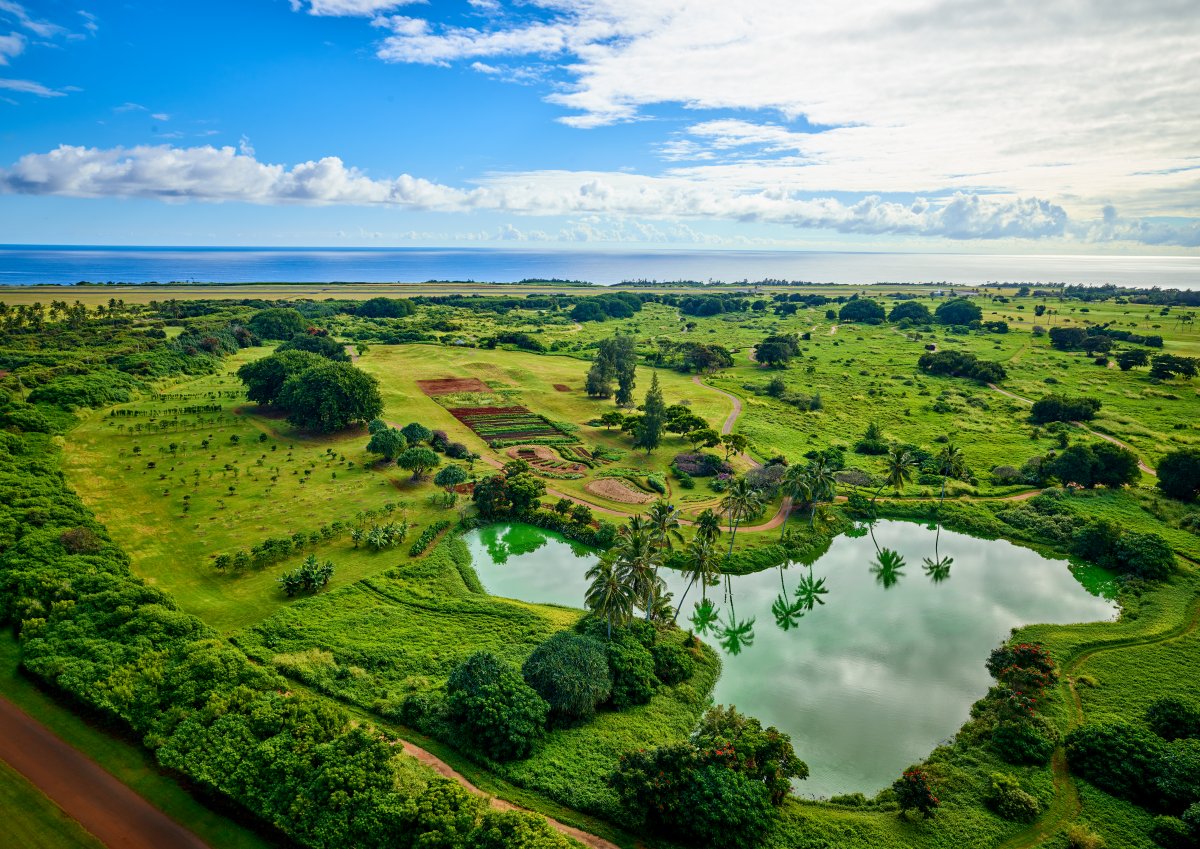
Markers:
point(191, 472)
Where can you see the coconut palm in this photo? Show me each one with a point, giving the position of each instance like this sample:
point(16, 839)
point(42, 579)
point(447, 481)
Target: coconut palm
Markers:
point(609, 596)
point(796, 485)
point(899, 467)
point(950, 464)
point(701, 567)
point(938, 568)
point(741, 502)
point(664, 523)
point(824, 484)
point(637, 560)
point(708, 525)
point(787, 613)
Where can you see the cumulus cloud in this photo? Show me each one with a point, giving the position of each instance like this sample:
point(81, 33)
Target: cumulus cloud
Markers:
point(16, 12)
point(1075, 101)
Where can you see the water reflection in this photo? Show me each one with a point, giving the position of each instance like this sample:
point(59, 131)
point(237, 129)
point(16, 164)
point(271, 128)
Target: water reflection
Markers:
point(871, 682)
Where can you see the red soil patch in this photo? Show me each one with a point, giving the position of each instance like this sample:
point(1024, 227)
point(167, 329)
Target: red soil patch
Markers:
point(449, 385)
point(562, 387)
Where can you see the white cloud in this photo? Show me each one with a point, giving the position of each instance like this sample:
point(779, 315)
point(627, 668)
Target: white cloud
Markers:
point(212, 174)
point(11, 45)
point(348, 8)
point(90, 22)
point(161, 116)
point(29, 87)
point(1090, 102)
point(16, 12)
point(130, 107)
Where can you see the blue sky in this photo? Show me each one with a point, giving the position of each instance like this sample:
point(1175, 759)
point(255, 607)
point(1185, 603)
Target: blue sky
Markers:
point(902, 124)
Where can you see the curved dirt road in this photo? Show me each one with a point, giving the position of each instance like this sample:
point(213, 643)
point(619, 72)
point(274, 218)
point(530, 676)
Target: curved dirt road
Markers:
point(106, 808)
point(731, 419)
point(1141, 465)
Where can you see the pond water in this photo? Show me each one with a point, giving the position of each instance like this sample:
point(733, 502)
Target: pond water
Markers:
point(869, 681)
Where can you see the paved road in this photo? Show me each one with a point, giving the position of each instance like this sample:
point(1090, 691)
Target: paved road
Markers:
point(115, 815)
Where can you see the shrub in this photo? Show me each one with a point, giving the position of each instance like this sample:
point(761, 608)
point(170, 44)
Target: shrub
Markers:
point(515, 830)
point(957, 311)
point(673, 664)
point(914, 791)
point(1171, 833)
point(1081, 837)
point(1179, 474)
point(493, 708)
point(1177, 776)
point(1173, 719)
point(1025, 741)
point(864, 310)
point(1063, 408)
point(1117, 757)
point(672, 791)
point(277, 323)
point(1009, 801)
point(100, 388)
point(309, 576)
point(569, 671)
point(427, 537)
point(80, 541)
point(700, 464)
point(632, 668)
point(1146, 556)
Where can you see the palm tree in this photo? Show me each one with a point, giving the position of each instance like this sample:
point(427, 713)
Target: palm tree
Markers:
point(824, 484)
point(609, 596)
point(740, 502)
point(708, 525)
point(899, 468)
point(637, 559)
point(796, 485)
point(950, 464)
point(664, 524)
point(702, 567)
point(787, 613)
point(938, 569)
point(705, 616)
point(737, 635)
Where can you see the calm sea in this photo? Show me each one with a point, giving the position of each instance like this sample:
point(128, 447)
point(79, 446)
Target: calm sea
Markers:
point(61, 264)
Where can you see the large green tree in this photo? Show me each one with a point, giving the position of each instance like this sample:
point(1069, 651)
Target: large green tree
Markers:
point(419, 460)
point(1179, 474)
point(330, 396)
point(648, 434)
point(389, 443)
point(264, 379)
point(489, 703)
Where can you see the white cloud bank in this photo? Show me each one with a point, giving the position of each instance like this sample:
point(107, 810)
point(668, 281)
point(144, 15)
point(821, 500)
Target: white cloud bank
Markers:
point(1089, 102)
point(226, 174)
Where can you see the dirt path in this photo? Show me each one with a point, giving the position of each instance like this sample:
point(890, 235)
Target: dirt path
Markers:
point(731, 419)
point(1141, 465)
point(1067, 805)
point(446, 771)
point(110, 811)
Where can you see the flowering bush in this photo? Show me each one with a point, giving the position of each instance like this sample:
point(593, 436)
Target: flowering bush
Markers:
point(914, 790)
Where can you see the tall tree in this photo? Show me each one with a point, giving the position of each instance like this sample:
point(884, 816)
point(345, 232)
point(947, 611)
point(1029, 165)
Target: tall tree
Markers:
point(649, 430)
point(796, 485)
point(899, 468)
point(950, 464)
point(741, 501)
point(824, 484)
point(609, 596)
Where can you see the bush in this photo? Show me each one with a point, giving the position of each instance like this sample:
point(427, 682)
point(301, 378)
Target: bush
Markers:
point(1146, 556)
point(1179, 474)
point(277, 323)
point(515, 830)
point(1025, 741)
point(1081, 837)
point(1117, 757)
point(673, 664)
point(1173, 719)
point(700, 464)
point(1063, 408)
point(493, 709)
point(864, 310)
point(569, 671)
point(427, 537)
point(1171, 833)
point(632, 668)
point(100, 388)
point(1177, 777)
point(1009, 801)
point(914, 790)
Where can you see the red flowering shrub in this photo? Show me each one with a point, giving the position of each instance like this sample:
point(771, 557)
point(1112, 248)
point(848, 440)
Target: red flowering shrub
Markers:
point(914, 790)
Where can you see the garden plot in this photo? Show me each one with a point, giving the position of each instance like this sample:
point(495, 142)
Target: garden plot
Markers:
point(501, 426)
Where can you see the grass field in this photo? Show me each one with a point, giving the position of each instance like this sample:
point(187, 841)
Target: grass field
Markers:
point(31, 821)
point(391, 625)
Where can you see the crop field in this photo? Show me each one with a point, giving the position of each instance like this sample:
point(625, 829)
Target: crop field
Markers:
point(499, 426)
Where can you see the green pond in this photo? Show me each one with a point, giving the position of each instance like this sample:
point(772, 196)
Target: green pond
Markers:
point(871, 680)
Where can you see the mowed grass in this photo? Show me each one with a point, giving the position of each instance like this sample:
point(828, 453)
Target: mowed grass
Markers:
point(32, 821)
point(27, 824)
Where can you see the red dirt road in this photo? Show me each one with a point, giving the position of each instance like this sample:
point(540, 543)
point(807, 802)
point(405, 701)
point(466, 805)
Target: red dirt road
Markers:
point(110, 811)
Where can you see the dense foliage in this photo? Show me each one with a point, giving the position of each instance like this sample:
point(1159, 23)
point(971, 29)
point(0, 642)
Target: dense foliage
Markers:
point(961, 364)
point(1063, 408)
point(493, 709)
point(569, 671)
point(1179, 474)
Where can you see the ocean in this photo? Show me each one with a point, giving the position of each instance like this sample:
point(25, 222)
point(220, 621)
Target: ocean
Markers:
point(24, 265)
